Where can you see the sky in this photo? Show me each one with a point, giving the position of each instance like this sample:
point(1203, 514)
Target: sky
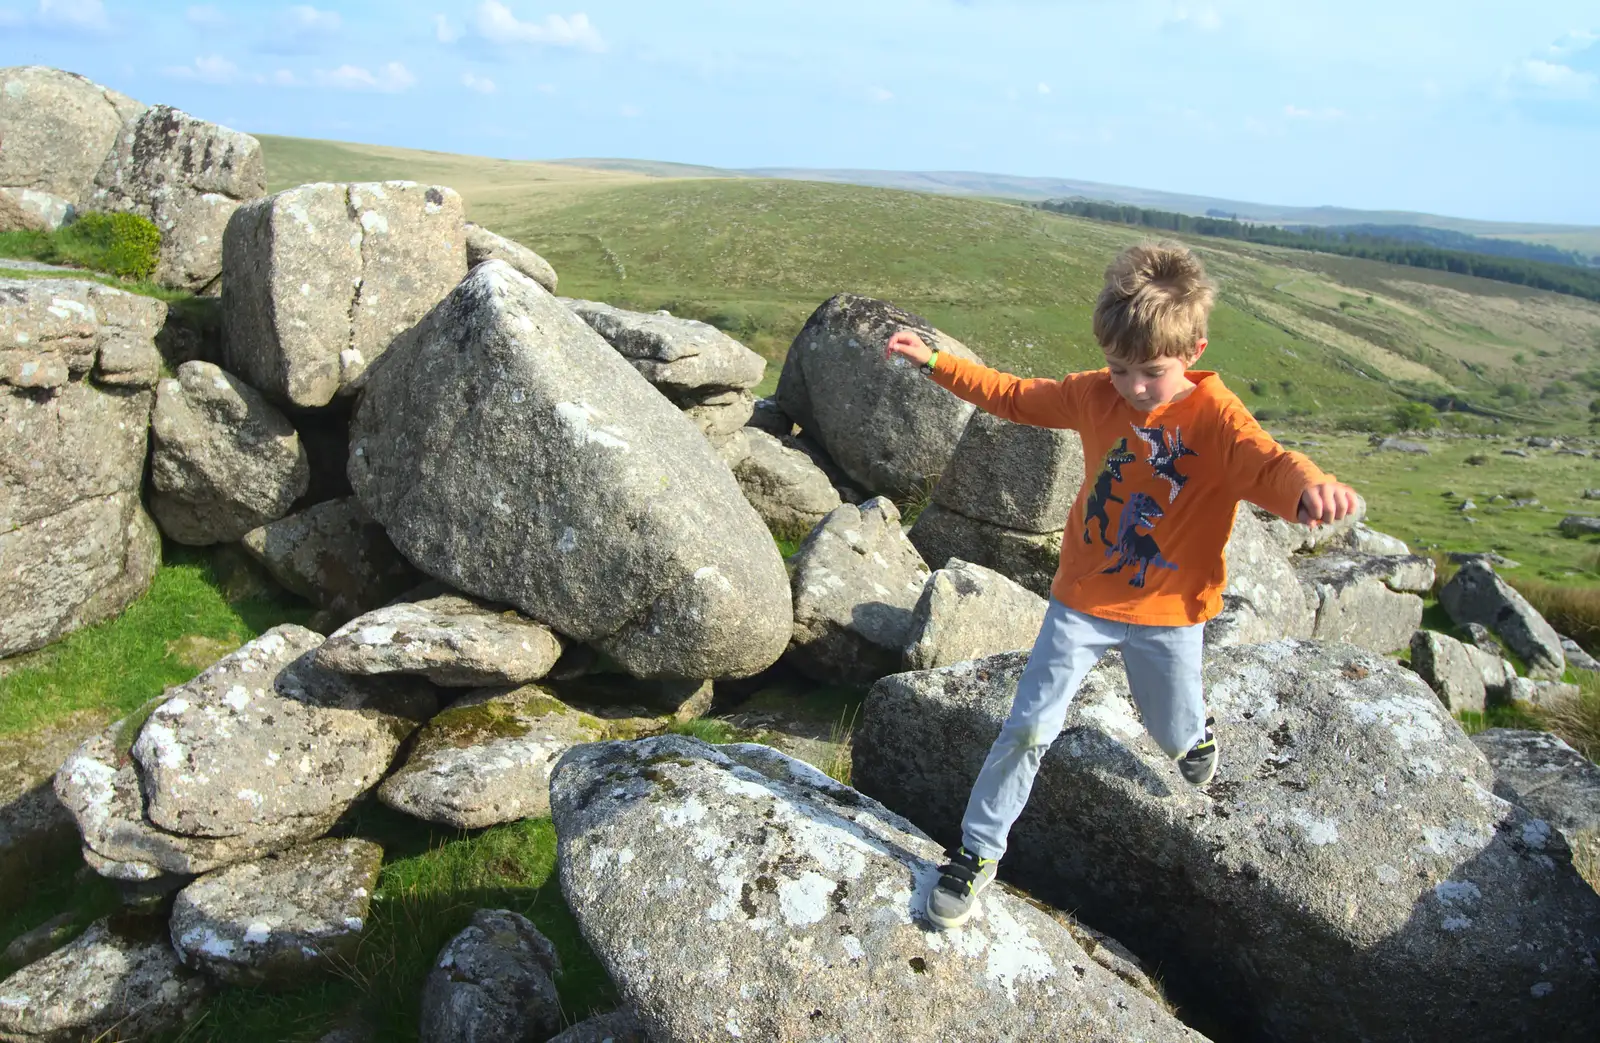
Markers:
point(1472, 108)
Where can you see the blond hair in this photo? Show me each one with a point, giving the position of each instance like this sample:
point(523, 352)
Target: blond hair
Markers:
point(1154, 304)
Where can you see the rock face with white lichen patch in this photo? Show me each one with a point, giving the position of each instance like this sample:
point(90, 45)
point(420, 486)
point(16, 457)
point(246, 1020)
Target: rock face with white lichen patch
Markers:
point(261, 751)
point(1348, 876)
point(319, 280)
point(733, 892)
point(509, 451)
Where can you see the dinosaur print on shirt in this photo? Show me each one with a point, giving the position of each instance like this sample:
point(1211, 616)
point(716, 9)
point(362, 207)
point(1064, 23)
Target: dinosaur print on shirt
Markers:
point(1164, 455)
point(1110, 471)
point(1135, 547)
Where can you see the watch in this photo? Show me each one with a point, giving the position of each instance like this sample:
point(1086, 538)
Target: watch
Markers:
point(933, 360)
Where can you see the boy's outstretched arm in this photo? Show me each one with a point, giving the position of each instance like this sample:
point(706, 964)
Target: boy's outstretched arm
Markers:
point(1286, 483)
point(1037, 401)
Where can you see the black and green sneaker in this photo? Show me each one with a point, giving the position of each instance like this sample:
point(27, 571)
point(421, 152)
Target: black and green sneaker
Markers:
point(961, 880)
point(1200, 763)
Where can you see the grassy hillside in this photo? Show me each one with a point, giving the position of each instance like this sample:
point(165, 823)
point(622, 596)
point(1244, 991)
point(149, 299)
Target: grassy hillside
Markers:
point(1295, 333)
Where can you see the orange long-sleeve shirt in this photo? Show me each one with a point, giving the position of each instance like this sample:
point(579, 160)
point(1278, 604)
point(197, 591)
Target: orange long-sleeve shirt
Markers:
point(1145, 537)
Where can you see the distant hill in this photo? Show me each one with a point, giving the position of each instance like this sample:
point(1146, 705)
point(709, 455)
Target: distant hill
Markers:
point(1583, 239)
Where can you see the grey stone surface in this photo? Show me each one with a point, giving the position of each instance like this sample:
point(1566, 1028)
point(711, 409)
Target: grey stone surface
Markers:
point(1553, 781)
point(1577, 658)
point(684, 359)
point(223, 460)
point(1496, 671)
point(1294, 538)
point(187, 177)
point(766, 416)
point(1263, 599)
point(967, 612)
point(118, 980)
point(1357, 876)
point(791, 493)
point(1012, 475)
point(450, 640)
point(484, 245)
point(1579, 525)
point(620, 1026)
point(731, 891)
point(38, 942)
point(319, 281)
point(856, 581)
point(1531, 694)
point(720, 415)
point(1365, 600)
point(492, 982)
point(279, 920)
point(76, 545)
point(261, 751)
point(57, 127)
point(1029, 558)
point(487, 758)
point(1476, 595)
point(334, 555)
point(53, 331)
point(836, 384)
point(1401, 445)
point(15, 216)
point(1364, 540)
point(1449, 669)
point(510, 451)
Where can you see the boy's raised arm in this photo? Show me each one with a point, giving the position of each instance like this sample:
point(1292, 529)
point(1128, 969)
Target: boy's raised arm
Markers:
point(1037, 401)
point(1284, 482)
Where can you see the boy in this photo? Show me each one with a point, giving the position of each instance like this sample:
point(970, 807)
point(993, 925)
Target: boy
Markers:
point(1141, 560)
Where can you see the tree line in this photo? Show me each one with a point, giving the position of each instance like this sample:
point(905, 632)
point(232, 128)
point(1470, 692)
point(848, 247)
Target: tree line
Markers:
point(1540, 275)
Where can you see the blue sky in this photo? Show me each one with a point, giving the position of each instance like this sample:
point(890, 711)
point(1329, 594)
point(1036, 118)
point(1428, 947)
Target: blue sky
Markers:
point(1471, 108)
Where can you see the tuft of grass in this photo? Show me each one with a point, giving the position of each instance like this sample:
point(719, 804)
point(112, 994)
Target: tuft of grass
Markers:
point(1498, 716)
point(912, 506)
point(714, 730)
point(1577, 722)
point(121, 663)
point(842, 737)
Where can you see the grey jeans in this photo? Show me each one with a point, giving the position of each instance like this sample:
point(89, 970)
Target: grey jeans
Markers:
point(1163, 665)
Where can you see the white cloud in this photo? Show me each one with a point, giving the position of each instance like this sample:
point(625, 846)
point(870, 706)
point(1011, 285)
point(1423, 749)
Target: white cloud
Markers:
point(205, 16)
point(481, 84)
point(497, 23)
point(878, 94)
point(629, 112)
point(444, 30)
point(390, 79)
point(1044, 88)
point(1553, 80)
point(1204, 18)
point(82, 15)
point(211, 68)
point(280, 78)
point(304, 18)
point(1295, 112)
point(9, 18)
point(1573, 41)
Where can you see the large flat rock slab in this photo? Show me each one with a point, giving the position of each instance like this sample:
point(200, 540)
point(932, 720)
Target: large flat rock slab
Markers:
point(734, 892)
point(261, 751)
point(279, 920)
point(1348, 876)
point(509, 451)
point(450, 640)
point(58, 127)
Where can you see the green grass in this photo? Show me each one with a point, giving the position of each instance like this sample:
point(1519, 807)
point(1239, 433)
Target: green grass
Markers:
point(120, 664)
point(124, 245)
point(1405, 498)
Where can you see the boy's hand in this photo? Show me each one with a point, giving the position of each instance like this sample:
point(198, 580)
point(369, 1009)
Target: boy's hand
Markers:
point(908, 344)
point(1327, 502)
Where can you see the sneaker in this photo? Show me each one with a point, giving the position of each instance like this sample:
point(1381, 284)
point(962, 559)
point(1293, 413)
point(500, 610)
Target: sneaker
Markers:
point(1200, 763)
point(951, 903)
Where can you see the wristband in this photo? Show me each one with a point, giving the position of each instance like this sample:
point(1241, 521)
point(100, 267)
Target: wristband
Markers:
point(933, 361)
